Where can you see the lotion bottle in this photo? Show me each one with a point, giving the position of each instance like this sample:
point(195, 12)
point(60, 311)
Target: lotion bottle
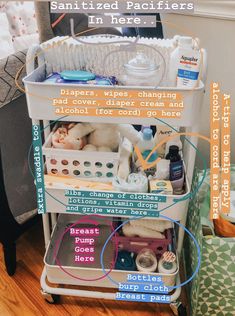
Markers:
point(147, 144)
point(176, 163)
point(174, 141)
point(185, 64)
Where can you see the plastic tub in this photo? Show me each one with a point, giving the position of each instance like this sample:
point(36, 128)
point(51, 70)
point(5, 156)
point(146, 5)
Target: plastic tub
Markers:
point(40, 106)
point(74, 274)
point(80, 164)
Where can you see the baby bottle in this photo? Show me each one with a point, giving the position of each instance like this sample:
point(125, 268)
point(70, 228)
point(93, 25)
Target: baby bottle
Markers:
point(146, 260)
point(168, 265)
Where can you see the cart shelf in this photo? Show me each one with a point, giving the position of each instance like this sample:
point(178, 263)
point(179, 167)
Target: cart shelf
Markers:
point(63, 249)
point(40, 106)
point(172, 206)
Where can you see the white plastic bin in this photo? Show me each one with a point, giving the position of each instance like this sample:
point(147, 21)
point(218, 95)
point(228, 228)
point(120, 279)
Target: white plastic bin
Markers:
point(80, 164)
point(56, 202)
point(40, 98)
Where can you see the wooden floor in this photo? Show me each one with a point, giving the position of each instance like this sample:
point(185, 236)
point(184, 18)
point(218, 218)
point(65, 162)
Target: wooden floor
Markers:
point(20, 295)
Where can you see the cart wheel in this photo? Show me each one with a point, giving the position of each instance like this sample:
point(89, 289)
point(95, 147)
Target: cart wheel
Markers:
point(182, 311)
point(51, 298)
point(178, 309)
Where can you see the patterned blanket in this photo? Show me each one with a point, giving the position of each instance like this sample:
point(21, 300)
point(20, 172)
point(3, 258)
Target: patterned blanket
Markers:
point(10, 67)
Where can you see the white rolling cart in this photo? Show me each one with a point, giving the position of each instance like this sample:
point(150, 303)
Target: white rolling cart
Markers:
point(39, 95)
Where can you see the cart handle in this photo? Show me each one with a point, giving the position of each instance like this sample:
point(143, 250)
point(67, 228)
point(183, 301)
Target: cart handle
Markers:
point(204, 65)
point(35, 51)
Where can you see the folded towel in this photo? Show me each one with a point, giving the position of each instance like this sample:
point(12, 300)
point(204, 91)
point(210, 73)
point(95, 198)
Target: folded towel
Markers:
point(136, 182)
point(155, 225)
point(132, 231)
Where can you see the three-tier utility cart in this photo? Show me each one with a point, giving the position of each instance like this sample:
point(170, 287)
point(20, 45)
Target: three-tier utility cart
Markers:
point(39, 95)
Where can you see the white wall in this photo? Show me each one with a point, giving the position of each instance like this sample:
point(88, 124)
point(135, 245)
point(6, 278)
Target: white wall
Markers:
point(217, 35)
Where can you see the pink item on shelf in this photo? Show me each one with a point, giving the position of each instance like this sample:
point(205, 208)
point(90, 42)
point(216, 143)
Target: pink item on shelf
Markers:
point(135, 244)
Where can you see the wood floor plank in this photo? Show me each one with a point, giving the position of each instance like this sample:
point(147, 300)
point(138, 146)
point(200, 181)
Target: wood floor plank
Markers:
point(13, 300)
point(20, 295)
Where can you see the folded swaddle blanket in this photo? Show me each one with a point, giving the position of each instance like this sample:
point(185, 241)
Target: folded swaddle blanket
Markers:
point(141, 231)
point(157, 225)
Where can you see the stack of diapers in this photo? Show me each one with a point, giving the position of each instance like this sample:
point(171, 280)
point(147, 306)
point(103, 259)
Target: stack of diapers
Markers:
point(146, 228)
point(66, 53)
